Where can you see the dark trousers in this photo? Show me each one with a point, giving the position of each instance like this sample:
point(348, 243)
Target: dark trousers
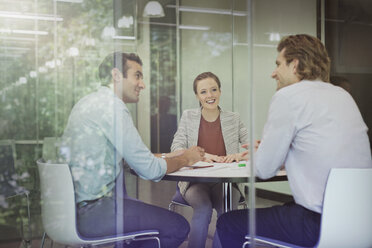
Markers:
point(290, 223)
point(109, 216)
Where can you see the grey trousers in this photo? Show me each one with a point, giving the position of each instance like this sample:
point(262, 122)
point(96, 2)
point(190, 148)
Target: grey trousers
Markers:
point(111, 215)
point(203, 197)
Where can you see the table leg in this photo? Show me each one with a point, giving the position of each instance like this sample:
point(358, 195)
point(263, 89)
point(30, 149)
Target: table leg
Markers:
point(230, 197)
point(224, 195)
point(227, 197)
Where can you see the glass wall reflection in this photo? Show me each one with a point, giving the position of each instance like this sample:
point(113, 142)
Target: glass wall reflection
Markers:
point(50, 52)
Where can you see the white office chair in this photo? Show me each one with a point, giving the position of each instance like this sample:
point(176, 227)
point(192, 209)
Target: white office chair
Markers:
point(347, 211)
point(58, 210)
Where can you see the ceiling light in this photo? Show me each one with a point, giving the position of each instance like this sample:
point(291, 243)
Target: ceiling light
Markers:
point(29, 32)
point(209, 10)
point(3, 55)
point(16, 38)
point(193, 27)
point(274, 36)
point(125, 22)
point(42, 69)
point(153, 9)
point(33, 74)
point(51, 64)
point(70, 1)
point(108, 32)
point(187, 27)
point(90, 42)
point(22, 80)
point(15, 48)
point(19, 15)
point(17, 31)
point(119, 37)
point(73, 52)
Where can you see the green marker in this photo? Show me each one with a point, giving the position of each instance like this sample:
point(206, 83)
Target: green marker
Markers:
point(241, 165)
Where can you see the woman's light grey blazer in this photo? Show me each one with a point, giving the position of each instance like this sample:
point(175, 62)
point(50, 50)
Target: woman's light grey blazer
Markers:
point(234, 134)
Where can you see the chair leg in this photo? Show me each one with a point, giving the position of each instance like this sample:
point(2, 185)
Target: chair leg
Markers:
point(28, 239)
point(42, 240)
point(158, 240)
point(145, 238)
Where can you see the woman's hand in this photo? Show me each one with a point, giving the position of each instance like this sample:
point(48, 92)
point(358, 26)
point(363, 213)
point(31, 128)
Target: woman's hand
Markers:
point(236, 157)
point(210, 158)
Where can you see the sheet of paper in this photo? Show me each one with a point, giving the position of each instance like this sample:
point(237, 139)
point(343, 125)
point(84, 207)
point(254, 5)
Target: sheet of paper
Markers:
point(221, 170)
point(201, 167)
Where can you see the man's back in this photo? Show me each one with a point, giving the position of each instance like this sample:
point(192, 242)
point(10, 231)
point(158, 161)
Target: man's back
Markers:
point(312, 127)
point(320, 128)
point(85, 144)
point(329, 127)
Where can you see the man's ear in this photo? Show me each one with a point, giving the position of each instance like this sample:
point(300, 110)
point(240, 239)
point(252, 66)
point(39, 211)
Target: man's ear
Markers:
point(295, 65)
point(116, 75)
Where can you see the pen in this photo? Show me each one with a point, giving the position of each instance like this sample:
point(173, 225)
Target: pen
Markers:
point(199, 167)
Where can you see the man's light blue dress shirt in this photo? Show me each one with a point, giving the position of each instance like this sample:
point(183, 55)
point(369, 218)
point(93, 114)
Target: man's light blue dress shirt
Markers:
point(99, 134)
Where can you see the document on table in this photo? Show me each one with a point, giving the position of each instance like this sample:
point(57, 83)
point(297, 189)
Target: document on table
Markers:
point(215, 169)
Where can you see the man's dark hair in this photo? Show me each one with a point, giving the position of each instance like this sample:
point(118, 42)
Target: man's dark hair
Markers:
point(116, 60)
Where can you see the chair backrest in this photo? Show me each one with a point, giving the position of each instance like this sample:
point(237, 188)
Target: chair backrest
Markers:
point(178, 198)
point(58, 207)
point(347, 209)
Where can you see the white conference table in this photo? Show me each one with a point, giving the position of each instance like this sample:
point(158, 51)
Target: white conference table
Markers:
point(225, 173)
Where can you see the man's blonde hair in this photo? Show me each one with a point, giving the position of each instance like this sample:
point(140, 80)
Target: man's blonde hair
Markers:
point(312, 56)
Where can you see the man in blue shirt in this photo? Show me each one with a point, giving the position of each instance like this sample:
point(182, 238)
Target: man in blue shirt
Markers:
point(99, 135)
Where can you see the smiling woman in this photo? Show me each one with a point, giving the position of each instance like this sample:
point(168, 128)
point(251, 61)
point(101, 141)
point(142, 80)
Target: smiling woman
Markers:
point(219, 132)
point(207, 88)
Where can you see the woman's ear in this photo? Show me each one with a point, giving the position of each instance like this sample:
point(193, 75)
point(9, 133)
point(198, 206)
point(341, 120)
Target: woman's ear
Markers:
point(116, 75)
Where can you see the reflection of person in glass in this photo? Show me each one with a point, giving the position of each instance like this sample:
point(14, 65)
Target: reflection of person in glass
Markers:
point(99, 135)
point(341, 82)
point(312, 127)
point(220, 133)
point(163, 126)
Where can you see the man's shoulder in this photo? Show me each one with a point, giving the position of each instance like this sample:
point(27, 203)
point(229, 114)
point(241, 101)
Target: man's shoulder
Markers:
point(295, 91)
point(105, 98)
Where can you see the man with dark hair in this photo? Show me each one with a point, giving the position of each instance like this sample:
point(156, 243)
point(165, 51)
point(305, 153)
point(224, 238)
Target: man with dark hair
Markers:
point(116, 60)
point(312, 127)
point(99, 135)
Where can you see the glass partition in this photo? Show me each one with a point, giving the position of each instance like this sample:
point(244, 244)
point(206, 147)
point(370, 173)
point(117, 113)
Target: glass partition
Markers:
point(273, 20)
point(50, 51)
